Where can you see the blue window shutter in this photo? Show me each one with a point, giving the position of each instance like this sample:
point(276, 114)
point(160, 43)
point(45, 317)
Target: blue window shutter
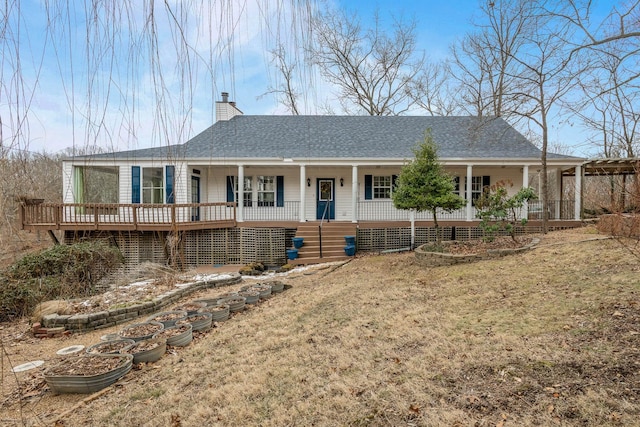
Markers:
point(368, 187)
point(170, 177)
point(279, 191)
point(486, 182)
point(230, 190)
point(135, 184)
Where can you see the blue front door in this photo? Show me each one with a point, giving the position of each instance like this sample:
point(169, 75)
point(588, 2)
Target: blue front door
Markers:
point(195, 197)
point(326, 207)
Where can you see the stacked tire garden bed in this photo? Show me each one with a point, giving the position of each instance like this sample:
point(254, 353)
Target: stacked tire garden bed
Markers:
point(105, 362)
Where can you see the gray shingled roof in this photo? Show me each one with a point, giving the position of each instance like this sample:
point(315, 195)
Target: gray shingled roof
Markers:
point(376, 137)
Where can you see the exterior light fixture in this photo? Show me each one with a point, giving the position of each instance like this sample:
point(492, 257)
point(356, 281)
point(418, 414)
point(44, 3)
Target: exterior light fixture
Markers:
point(308, 182)
point(341, 182)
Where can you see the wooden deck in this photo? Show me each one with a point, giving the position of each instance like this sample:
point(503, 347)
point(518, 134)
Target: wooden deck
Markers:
point(126, 217)
point(36, 215)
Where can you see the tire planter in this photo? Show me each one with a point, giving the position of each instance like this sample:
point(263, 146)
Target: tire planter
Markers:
point(264, 289)
point(350, 240)
point(297, 242)
point(276, 286)
point(208, 302)
point(149, 355)
point(111, 347)
point(235, 304)
point(191, 307)
point(168, 318)
point(199, 321)
point(60, 383)
point(175, 338)
point(350, 250)
point(250, 296)
point(134, 331)
point(292, 253)
point(219, 313)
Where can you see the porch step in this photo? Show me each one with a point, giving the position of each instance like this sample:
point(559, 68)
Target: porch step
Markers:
point(333, 242)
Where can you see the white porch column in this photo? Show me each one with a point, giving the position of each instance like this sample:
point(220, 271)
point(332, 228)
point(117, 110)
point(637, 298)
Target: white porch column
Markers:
point(303, 192)
point(240, 201)
point(557, 194)
point(525, 184)
point(468, 192)
point(578, 193)
point(354, 193)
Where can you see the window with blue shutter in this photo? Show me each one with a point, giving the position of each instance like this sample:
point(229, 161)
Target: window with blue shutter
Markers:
point(170, 177)
point(368, 187)
point(230, 189)
point(280, 191)
point(135, 184)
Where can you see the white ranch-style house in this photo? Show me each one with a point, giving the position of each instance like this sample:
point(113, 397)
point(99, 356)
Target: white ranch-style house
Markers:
point(241, 189)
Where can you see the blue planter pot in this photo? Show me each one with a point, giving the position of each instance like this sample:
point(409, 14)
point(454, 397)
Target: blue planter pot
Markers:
point(351, 240)
point(350, 250)
point(292, 253)
point(298, 242)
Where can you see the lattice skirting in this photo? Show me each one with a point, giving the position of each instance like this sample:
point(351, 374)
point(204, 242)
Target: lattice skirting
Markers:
point(247, 245)
point(199, 247)
point(393, 238)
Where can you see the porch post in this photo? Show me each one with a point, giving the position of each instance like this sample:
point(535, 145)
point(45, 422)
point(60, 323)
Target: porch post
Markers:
point(303, 192)
point(578, 194)
point(240, 201)
point(557, 205)
point(354, 193)
point(468, 192)
point(525, 184)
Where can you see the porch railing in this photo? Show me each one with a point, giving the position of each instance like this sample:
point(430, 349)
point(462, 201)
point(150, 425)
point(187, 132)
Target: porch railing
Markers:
point(290, 211)
point(383, 210)
point(114, 216)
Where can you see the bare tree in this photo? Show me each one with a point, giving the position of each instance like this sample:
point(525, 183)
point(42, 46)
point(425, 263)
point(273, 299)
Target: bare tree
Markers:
point(431, 91)
point(618, 34)
point(543, 78)
point(285, 90)
point(371, 68)
point(610, 109)
point(483, 61)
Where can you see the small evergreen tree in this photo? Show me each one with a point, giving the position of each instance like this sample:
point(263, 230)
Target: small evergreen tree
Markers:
point(424, 185)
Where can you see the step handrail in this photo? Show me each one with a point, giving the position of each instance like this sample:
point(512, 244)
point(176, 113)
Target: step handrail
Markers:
point(320, 226)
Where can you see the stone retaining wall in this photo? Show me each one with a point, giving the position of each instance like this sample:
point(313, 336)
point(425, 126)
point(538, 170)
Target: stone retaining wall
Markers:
point(436, 259)
point(108, 318)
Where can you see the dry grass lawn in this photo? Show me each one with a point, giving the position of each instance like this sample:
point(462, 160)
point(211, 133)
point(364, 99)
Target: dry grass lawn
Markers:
point(549, 337)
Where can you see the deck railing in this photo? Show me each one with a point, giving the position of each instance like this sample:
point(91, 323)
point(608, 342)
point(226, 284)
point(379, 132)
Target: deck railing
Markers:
point(113, 216)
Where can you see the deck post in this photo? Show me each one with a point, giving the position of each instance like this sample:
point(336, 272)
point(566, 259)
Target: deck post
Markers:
point(354, 193)
point(303, 192)
point(578, 195)
point(525, 184)
point(468, 192)
point(240, 201)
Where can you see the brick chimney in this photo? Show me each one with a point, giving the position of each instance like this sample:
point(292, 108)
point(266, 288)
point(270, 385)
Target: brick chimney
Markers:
point(226, 110)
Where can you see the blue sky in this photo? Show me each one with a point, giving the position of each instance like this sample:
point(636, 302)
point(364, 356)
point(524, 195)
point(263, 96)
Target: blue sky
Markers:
point(59, 82)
